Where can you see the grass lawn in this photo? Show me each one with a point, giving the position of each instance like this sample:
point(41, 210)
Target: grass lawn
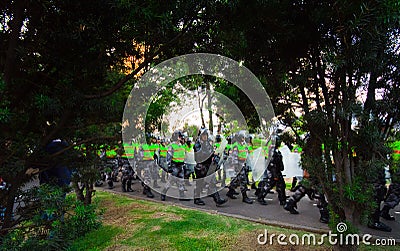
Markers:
point(131, 224)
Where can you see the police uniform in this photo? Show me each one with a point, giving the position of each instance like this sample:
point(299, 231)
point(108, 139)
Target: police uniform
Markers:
point(175, 163)
point(146, 164)
point(162, 160)
point(238, 160)
point(311, 187)
point(189, 162)
point(154, 168)
point(393, 196)
point(273, 178)
point(204, 154)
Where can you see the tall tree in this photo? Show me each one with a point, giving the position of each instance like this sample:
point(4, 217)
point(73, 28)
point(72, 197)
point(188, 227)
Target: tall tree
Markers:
point(65, 73)
point(316, 57)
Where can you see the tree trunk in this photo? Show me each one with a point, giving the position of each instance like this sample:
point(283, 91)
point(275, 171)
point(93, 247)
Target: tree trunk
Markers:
point(9, 199)
point(88, 195)
point(78, 191)
point(210, 113)
point(219, 129)
point(10, 205)
point(201, 101)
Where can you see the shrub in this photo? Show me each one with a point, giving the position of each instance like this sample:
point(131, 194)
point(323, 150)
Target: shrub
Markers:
point(50, 221)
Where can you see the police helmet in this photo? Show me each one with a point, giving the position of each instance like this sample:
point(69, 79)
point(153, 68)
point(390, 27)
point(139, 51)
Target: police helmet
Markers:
point(249, 138)
point(203, 131)
point(176, 135)
point(241, 135)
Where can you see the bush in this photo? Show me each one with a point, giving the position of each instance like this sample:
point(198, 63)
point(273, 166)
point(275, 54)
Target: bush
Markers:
point(85, 219)
point(51, 222)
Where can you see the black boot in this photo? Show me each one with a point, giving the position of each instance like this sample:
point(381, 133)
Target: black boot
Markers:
point(231, 193)
point(262, 201)
point(380, 226)
point(129, 186)
point(246, 199)
point(110, 184)
point(148, 192)
point(324, 215)
point(385, 213)
point(199, 202)
point(261, 197)
point(260, 187)
point(163, 194)
point(290, 206)
point(218, 200)
point(294, 183)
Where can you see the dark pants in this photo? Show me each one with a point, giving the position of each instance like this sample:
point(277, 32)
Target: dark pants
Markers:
point(176, 176)
point(269, 182)
point(393, 196)
point(379, 195)
point(300, 191)
point(241, 178)
point(202, 171)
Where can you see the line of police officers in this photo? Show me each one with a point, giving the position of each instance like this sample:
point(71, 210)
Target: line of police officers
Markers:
point(210, 156)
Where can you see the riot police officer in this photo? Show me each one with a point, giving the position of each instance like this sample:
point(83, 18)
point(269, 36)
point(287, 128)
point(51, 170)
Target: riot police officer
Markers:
point(238, 159)
point(393, 196)
point(146, 163)
point(162, 159)
point(273, 178)
point(126, 179)
point(175, 163)
point(204, 155)
point(310, 186)
point(154, 146)
point(314, 193)
point(189, 161)
point(379, 183)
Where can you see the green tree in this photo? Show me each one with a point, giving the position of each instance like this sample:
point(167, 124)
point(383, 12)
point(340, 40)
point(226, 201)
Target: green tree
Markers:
point(315, 58)
point(66, 70)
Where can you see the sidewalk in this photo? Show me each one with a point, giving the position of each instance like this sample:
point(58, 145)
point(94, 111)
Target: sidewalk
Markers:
point(271, 214)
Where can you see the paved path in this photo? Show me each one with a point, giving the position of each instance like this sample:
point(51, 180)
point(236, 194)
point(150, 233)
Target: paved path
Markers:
point(271, 214)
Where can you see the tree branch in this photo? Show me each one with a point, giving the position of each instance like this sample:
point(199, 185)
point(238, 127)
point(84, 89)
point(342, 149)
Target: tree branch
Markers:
point(130, 76)
point(80, 143)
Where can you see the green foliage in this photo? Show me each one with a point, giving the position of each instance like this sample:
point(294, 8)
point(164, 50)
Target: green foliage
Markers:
point(159, 107)
point(312, 56)
point(191, 130)
point(4, 115)
point(84, 220)
point(333, 58)
point(359, 194)
point(334, 220)
point(54, 222)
